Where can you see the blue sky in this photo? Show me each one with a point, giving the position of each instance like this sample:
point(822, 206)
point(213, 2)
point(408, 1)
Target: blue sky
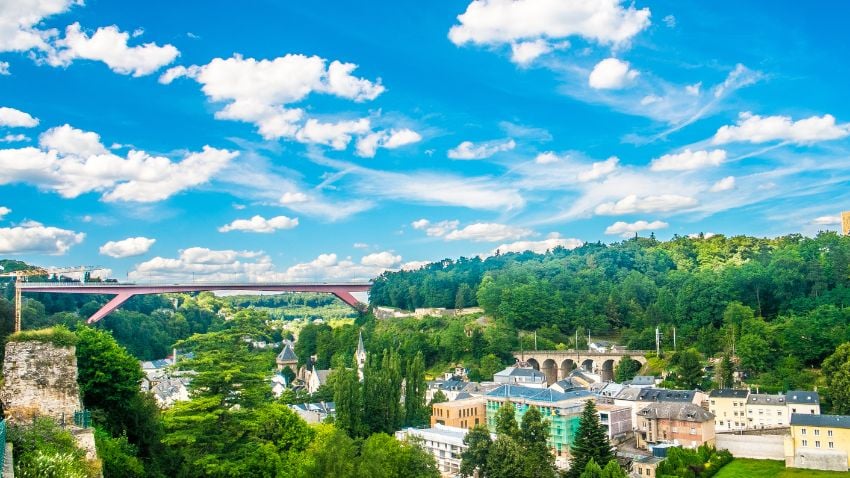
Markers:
point(273, 140)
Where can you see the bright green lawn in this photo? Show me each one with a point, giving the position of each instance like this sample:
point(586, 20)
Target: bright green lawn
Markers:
point(747, 468)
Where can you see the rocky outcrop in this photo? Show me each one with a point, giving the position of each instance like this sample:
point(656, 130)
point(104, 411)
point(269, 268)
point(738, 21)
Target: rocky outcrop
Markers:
point(40, 379)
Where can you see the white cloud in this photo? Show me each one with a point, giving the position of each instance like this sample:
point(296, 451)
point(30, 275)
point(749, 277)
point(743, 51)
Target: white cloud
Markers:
point(35, 238)
point(827, 220)
point(724, 184)
point(3, 211)
point(670, 21)
point(438, 229)
point(599, 169)
point(693, 89)
point(523, 53)
point(688, 160)
point(470, 150)
point(383, 259)
point(132, 246)
point(368, 145)
point(554, 240)
point(632, 204)
point(488, 232)
point(14, 138)
point(611, 74)
point(760, 129)
point(4, 68)
point(509, 21)
point(66, 139)
point(260, 92)
point(16, 118)
point(109, 45)
point(547, 157)
point(139, 177)
point(19, 20)
point(625, 229)
point(414, 265)
point(260, 224)
point(360, 245)
point(293, 198)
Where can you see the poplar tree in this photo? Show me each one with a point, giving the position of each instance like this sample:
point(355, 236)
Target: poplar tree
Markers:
point(591, 442)
point(415, 410)
point(348, 399)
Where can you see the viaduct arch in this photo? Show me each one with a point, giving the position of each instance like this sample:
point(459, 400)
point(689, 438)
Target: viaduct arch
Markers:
point(557, 364)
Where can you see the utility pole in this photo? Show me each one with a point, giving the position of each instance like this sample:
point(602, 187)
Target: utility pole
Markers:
point(674, 338)
point(588, 339)
point(657, 342)
point(535, 340)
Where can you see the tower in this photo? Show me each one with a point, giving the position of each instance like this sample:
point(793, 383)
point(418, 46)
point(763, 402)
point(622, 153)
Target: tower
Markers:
point(360, 357)
point(845, 223)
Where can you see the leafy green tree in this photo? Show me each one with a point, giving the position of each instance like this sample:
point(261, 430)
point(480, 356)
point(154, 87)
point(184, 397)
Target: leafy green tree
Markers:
point(478, 444)
point(42, 449)
point(382, 456)
point(490, 364)
point(505, 418)
point(118, 456)
point(754, 352)
point(384, 380)
point(331, 453)
point(591, 470)
point(626, 369)
point(725, 372)
point(591, 442)
point(533, 436)
point(439, 397)
point(836, 369)
point(688, 368)
point(415, 410)
point(505, 459)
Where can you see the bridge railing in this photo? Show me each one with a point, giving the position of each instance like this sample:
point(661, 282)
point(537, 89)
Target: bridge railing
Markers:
point(582, 352)
point(25, 285)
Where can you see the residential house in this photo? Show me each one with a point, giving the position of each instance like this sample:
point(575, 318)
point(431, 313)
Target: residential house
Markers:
point(679, 423)
point(818, 442)
point(465, 413)
point(527, 377)
point(641, 381)
point(766, 411)
point(638, 398)
point(646, 466)
point(802, 401)
point(443, 442)
point(616, 420)
point(314, 412)
point(566, 385)
point(315, 379)
point(729, 407)
point(278, 385)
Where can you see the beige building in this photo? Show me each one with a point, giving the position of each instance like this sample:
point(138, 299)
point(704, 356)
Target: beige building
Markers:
point(729, 407)
point(766, 411)
point(683, 424)
point(459, 413)
point(819, 442)
point(845, 223)
point(803, 401)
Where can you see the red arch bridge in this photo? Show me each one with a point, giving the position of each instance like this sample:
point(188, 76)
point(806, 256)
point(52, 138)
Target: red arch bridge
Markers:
point(123, 292)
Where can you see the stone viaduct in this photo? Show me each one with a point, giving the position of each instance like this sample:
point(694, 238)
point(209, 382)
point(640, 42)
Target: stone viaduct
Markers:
point(557, 364)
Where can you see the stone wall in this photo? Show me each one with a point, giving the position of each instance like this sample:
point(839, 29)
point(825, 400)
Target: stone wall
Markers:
point(761, 447)
point(40, 379)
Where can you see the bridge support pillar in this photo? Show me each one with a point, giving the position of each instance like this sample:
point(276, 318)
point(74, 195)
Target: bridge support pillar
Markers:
point(110, 306)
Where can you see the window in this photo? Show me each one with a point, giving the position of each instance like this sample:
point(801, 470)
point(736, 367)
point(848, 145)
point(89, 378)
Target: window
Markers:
point(817, 443)
point(817, 432)
point(712, 402)
point(831, 445)
point(805, 442)
point(693, 431)
point(829, 433)
point(802, 431)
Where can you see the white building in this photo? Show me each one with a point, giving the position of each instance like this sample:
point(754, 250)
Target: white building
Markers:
point(767, 411)
point(527, 377)
point(443, 442)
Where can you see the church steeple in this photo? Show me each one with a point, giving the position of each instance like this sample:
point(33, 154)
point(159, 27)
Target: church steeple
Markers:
point(360, 357)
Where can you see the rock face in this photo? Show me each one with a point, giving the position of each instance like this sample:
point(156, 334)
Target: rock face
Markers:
point(40, 379)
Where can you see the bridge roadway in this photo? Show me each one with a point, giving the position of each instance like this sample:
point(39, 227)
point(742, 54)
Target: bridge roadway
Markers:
point(557, 364)
point(124, 291)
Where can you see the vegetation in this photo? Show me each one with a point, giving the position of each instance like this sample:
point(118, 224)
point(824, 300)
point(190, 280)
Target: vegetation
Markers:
point(748, 468)
point(43, 450)
point(590, 444)
point(59, 336)
point(611, 470)
point(704, 462)
point(836, 368)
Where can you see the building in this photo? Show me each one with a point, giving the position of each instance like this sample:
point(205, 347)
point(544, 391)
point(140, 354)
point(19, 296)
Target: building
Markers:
point(287, 358)
point(444, 443)
point(314, 412)
point(645, 466)
point(766, 411)
point(315, 379)
point(566, 385)
point(562, 410)
point(616, 420)
point(527, 377)
point(360, 357)
point(464, 413)
point(683, 424)
point(278, 385)
point(637, 399)
point(641, 381)
point(729, 407)
point(845, 223)
point(802, 401)
point(818, 442)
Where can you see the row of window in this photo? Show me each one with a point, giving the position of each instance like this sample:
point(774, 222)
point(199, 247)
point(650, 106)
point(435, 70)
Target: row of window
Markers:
point(817, 443)
point(816, 432)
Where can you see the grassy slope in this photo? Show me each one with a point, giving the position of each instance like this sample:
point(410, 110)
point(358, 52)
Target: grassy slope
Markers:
point(747, 468)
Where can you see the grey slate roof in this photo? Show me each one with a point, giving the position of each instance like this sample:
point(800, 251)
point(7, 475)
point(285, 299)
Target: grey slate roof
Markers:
point(540, 394)
point(521, 372)
point(729, 393)
point(766, 399)
point(628, 393)
point(834, 421)
point(677, 411)
point(287, 354)
point(802, 396)
point(642, 380)
point(664, 395)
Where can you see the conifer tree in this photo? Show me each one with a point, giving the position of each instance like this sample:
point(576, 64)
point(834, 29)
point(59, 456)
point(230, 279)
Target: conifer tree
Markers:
point(591, 442)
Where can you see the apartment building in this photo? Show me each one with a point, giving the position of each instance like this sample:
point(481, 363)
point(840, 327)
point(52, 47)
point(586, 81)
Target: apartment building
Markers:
point(459, 413)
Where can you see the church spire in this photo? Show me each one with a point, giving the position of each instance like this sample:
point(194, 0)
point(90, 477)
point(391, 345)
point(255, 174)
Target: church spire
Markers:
point(360, 357)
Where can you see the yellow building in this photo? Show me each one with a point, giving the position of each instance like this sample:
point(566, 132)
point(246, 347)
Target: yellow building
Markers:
point(820, 442)
point(464, 413)
point(729, 407)
point(845, 223)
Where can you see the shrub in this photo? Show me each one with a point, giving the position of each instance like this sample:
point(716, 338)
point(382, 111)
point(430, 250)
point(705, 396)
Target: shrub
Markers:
point(59, 336)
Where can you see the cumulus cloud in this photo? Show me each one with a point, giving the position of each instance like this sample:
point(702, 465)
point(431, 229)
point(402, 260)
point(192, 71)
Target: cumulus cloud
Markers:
point(632, 204)
point(611, 74)
point(109, 45)
point(688, 160)
point(493, 22)
point(724, 184)
point(438, 229)
point(488, 232)
point(66, 139)
point(260, 224)
point(293, 198)
point(16, 118)
point(599, 169)
point(14, 138)
point(132, 246)
point(383, 259)
point(547, 157)
point(470, 150)
point(626, 229)
point(34, 238)
point(368, 145)
point(261, 92)
point(20, 19)
point(827, 220)
point(3, 211)
point(68, 164)
point(554, 240)
point(761, 129)
point(4, 68)
point(523, 53)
